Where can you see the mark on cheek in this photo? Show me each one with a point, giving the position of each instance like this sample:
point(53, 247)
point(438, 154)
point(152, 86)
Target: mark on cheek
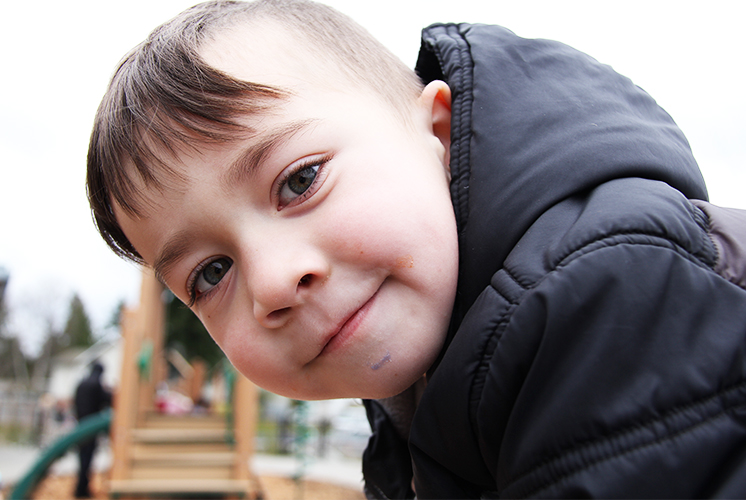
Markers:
point(404, 262)
point(383, 361)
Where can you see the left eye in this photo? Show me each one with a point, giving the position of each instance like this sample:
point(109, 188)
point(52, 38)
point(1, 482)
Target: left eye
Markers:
point(210, 275)
point(302, 181)
point(297, 184)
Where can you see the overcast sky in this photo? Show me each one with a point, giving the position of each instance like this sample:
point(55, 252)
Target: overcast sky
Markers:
point(58, 56)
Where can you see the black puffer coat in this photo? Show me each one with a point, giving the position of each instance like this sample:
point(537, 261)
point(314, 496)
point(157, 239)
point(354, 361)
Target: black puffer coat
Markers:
point(598, 341)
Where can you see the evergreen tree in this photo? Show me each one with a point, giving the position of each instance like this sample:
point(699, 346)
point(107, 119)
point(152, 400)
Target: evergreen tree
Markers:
point(3, 310)
point(116, 315)
point(77, 332)
point(13, 363)
point(12, 359)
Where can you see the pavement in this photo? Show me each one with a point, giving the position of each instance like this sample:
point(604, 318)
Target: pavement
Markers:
point(16, 460)
point(339, 470)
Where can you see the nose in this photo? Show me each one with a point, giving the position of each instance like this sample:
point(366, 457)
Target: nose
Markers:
point(281, 280)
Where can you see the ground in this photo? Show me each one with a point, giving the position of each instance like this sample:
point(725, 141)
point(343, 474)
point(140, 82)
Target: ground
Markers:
point(275, 488)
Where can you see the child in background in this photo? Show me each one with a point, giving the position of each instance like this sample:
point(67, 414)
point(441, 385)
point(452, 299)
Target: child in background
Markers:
point(507, 253)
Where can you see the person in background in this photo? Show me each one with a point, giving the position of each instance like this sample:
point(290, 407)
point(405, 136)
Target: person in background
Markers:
point(90, 397)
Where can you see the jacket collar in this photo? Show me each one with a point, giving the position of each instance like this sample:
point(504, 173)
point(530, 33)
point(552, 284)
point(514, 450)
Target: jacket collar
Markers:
point(535, 122)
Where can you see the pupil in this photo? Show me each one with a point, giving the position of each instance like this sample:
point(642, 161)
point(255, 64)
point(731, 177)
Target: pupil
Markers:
point(301, 181)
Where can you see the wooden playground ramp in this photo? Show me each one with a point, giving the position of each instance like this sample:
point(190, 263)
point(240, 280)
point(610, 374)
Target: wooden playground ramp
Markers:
point(202, 455)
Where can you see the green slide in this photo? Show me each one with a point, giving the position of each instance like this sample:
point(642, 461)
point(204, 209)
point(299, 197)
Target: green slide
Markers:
point(86, 428)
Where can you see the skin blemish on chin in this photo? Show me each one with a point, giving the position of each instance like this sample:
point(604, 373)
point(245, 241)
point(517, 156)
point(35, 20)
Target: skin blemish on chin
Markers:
point(383, 361)
point(405, 262)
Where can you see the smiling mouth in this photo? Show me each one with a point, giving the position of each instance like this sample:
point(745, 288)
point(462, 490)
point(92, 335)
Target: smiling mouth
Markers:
point(348, 328)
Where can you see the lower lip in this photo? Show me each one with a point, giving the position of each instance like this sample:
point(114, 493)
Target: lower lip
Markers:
point(349, 328)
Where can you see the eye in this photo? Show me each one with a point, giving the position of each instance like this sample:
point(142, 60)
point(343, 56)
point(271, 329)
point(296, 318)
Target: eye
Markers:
point(206, 276)
point(301, 182)
point(298, 183)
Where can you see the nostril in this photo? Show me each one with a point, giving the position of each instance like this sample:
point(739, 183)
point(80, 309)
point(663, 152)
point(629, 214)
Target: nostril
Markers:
point(278, 314)
point(305, 280)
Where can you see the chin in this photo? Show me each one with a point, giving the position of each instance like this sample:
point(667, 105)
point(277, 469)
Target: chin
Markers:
point(378, 389)
point(395, 385)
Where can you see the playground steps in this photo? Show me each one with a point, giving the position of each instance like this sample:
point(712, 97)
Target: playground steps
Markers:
point(183, 456)
point(161, 421)
point(178, 435)
point(173, 488)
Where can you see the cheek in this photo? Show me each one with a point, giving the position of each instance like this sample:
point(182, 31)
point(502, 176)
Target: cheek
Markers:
point(361, 231)
point(237, 341)
point(250, 358)
point(258, 356)
point(404, 236)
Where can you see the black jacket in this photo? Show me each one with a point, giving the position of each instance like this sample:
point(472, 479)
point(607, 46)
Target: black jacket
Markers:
point(598, 340)
point(90, 395)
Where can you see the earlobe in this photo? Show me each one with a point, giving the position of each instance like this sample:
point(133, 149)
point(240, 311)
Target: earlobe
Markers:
point(436, 100)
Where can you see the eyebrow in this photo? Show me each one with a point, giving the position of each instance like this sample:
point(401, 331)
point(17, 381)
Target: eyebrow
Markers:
point(172, 251)
point(251, 159)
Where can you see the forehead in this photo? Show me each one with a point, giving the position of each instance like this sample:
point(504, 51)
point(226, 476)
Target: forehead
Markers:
point(256, 52)
point(265, 52)
point(260, 51)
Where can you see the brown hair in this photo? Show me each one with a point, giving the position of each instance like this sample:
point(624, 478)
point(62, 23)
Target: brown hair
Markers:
point(163, 97)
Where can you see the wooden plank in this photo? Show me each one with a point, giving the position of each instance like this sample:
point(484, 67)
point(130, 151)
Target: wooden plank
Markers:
point(161, 486)
point(138, 448)
point(178, 435)
point(184, 458)
point(203, 473)
point(157, 420)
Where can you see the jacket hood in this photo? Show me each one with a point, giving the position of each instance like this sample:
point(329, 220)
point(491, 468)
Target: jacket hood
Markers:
point(535, 122)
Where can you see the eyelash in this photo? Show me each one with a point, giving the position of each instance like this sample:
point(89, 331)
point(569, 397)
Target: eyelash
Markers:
point(315, 162)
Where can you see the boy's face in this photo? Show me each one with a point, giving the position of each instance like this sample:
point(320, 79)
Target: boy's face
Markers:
point(328, 267)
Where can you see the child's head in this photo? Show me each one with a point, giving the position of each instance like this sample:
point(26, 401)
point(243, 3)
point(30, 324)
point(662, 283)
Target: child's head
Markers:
point(287, 177)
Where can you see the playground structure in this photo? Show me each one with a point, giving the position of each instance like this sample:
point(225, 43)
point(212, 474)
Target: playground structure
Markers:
point(191, 455)
point(175, 455)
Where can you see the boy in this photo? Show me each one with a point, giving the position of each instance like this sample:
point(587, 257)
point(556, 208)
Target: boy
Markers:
point(503, 262)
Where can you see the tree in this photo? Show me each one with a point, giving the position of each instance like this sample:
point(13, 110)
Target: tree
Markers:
point(13, 363)
point(116, 315)
point(3, 311)
point(77, 332)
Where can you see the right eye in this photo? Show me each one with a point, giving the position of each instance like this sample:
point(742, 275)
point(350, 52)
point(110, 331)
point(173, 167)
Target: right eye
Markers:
point(206, 276)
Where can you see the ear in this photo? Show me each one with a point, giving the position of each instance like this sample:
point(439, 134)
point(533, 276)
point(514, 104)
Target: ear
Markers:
point(436, 101)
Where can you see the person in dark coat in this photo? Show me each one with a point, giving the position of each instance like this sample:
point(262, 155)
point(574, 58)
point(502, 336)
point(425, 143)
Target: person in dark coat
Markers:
point(511, 259)
point(90, 398)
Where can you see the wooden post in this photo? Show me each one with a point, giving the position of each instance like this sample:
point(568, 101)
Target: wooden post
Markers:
point(151, 323)
point(197, 380)
point(125, 402)
point(245, 417)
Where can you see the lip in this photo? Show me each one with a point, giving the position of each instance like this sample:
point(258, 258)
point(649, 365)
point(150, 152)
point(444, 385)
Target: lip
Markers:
point(341, 335)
